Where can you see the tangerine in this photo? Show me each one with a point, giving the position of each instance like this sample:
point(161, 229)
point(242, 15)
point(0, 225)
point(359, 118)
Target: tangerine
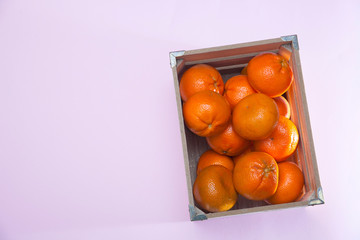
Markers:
point(283, 106)
point(206, 113)
point(244, 71)
point(255, 116)
point(214, 189)
point(247, 150)
point(291, 182)
point(269, 73)
point(228, 142)
point(210, 158)
point(236, 88)
point(198, 78)
point(282, 142)
point(255, 175)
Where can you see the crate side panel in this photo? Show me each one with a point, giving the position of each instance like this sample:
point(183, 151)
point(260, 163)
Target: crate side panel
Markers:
point(229, 60)
point(258, 209)
point(305, 151)
point(305, 121)
point(236, 49)
point(183, 136)
point(306, 118)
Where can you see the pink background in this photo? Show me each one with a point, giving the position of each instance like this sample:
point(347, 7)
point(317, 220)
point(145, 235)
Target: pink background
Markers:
point(90, 145)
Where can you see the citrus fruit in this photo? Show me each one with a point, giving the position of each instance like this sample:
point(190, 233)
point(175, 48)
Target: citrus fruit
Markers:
point(283, 106)
point(206, 113)
point(228, 142)
point(236, 88)
point(282, 142)
point(247, 150)
point(269, 73)
point(210, 158)
point(285, 53)
point(244, 71)
point(198, 78)
point(255, 176)
point(214, 190)
point(255, 116)
point(291, 182)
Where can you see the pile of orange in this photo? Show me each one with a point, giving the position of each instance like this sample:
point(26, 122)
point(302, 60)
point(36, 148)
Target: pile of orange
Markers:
point(246, 123)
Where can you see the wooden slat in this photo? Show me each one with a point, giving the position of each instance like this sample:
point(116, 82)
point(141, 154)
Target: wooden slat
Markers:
point(180, 64)
point(183, 136)
point(293, 99)
point(235, 49)
point(229, 60)
point(312, 163)
point(258, 209)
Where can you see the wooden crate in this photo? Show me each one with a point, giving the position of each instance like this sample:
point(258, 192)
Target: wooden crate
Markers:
point(229, 61)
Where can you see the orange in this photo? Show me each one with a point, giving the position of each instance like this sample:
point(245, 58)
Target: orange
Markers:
point(236, 88)
point(291, 182)
point(285, 53)
point(244, 71)
point(214, 190)
point(255, 176)
point(228, 142)
point(198, 78)
point(269, 73)
point(283, 106)
point(206, 113)
point(282, 142)
point(247, 150)
point(210, 158)
point(255, 116)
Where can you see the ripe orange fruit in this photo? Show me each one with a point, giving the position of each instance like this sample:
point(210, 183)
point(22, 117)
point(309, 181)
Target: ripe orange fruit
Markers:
point(291, 182)
point(283, 106)
point(236, 88)
point(214, 190)
point(282, 142)
point(206, 113)
point(210, 158)
point(244, 71)
point(228, 142)
point(255, 176)
point(247, 150)
point(285, 53)
point(198, 78)
point(270, 73)
point(255, 116)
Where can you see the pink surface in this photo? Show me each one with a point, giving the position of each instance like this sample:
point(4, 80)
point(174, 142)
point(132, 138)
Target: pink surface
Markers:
point(89, 136)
